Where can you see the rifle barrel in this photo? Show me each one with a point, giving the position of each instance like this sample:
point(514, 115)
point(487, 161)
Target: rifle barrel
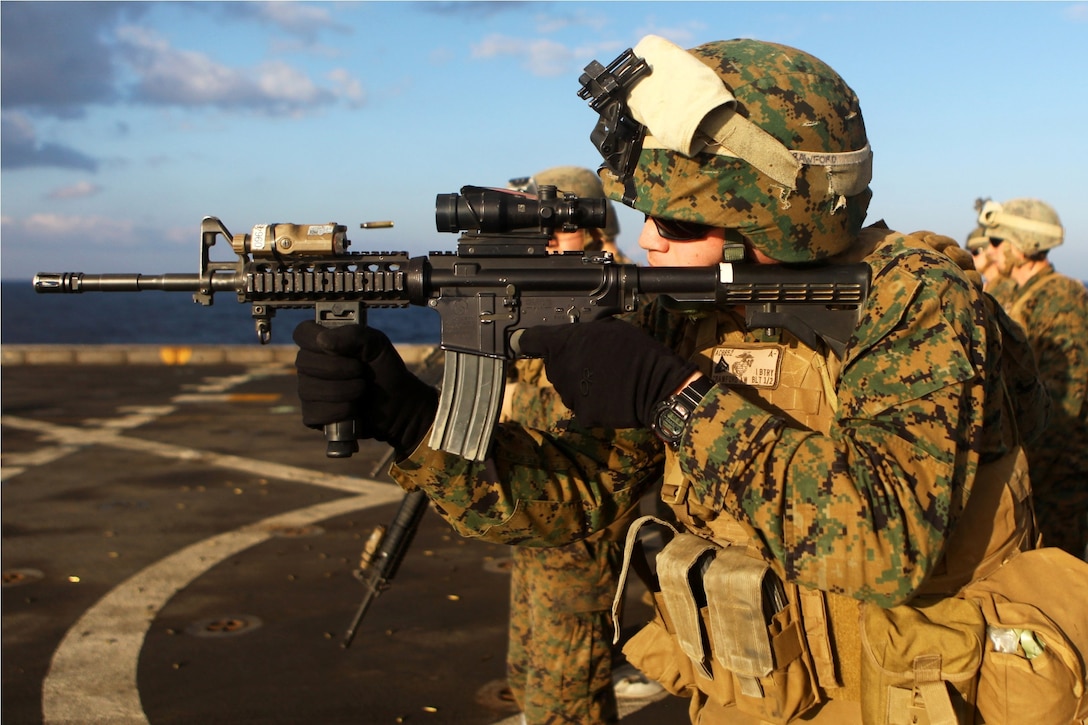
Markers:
point(78, 282)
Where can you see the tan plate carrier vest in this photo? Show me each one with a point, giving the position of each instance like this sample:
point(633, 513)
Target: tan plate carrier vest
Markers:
point(722, 598)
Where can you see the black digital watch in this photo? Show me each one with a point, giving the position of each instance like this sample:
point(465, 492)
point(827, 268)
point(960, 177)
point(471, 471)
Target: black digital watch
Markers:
point(671, 415)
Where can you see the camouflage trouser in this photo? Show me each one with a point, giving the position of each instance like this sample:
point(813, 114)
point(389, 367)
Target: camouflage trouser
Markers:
point(559, 663)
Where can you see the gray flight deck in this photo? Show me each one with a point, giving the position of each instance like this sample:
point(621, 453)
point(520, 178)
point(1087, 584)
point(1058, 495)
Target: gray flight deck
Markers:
point(178, 550)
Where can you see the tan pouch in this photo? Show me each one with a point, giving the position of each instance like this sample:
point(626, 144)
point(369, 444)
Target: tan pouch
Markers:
point(726, 628)
point(789, 690)
point(920, 664)
point(657, 654)
point(1036, 610)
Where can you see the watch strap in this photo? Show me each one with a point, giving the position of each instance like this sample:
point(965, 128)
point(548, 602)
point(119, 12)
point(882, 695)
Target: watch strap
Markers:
point(694, 391)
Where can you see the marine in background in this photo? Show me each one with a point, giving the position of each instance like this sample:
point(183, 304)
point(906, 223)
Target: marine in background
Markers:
point(559, 660)
point(1053, 310)
point(984, 256)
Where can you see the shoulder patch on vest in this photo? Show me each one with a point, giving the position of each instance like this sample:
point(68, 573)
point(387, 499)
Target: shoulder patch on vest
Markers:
point(742, 365)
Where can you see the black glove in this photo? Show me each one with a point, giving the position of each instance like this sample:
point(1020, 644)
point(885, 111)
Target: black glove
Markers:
point(354, 373)
point(608, 372)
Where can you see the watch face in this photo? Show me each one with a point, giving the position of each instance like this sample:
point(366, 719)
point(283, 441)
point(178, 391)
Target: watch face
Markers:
point(670, 424)
point(672, 414)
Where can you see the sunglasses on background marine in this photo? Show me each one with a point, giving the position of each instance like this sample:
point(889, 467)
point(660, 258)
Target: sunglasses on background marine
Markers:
point(680, 231)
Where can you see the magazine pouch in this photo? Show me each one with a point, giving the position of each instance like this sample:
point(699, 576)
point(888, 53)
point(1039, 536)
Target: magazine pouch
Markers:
point(1037, 636)
point(759, 646)
point(920, 663)
point(726, 628)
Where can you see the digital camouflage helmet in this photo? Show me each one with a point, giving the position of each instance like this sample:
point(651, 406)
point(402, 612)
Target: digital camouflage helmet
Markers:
point(1030, 225)
point(751, 136)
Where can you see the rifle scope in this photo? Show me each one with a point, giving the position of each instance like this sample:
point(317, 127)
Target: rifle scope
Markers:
point(498, 211)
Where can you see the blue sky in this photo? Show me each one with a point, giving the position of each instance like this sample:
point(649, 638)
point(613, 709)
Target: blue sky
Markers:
point(125, 124)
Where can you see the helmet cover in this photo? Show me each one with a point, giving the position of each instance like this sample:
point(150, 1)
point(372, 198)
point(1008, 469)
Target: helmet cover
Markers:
point(805, 105)
point(1031, 225)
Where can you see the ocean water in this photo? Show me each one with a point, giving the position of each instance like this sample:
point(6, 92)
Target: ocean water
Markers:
point(156, 317)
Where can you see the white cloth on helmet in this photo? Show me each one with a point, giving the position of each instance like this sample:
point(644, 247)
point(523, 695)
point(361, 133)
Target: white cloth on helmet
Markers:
point(674, 98)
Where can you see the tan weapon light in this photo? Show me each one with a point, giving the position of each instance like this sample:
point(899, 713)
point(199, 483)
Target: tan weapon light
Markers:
point(267, 240)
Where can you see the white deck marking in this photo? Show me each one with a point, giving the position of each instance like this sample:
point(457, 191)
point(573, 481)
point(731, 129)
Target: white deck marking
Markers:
point(92, 677)
point(73, 438)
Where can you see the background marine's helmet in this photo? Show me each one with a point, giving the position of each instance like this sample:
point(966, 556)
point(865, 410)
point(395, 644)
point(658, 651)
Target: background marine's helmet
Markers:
point(1031, 225)
point(812, 211)
point(977, 239)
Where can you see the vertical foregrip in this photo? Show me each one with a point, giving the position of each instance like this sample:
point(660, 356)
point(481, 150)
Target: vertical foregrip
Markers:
point(340, 436)
point(340, 439)
point(469, 404)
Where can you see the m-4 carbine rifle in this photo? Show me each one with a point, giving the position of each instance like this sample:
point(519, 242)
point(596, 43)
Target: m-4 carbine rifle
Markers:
point(500, 280)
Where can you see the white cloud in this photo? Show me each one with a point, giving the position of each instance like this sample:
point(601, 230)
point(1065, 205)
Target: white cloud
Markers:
point(556, 21)
point(541, 57)
point(89, 229)
point(168, 75)
point(277, 80)
point(78, 190)
point(348, 86)
point(171, 76)
point(302, 19)
point(1077, 12)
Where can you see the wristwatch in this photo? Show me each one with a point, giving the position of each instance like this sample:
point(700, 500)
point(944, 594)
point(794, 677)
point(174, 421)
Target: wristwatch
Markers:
point(671, 415)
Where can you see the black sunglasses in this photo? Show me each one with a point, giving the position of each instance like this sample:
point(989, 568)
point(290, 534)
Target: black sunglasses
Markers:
point(680, 231)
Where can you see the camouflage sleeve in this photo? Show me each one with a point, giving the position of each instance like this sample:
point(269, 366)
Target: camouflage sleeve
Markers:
point(1003, 290)
point(1019, 382)
point(1023, 384)
point(864, 510)
point(1058, 320)
point(533, 400)
point(538, 488)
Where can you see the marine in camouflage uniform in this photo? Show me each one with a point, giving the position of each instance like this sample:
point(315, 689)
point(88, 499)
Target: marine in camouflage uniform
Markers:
point(559, 660)
point(1053, 310)
point(846, 483)
point(856, 493)
point(984, 254)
